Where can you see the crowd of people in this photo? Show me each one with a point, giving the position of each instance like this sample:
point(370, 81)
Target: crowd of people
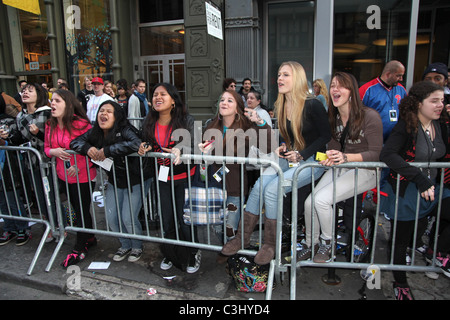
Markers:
point(379, 121)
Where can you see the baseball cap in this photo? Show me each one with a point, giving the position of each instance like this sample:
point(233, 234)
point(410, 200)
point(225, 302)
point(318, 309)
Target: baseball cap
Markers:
point(437, 67)
point(97, 80)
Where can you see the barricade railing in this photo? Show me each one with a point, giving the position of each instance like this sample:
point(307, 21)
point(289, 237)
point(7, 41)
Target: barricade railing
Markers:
point(29, 177)
point(383, 262)
point(152, 229)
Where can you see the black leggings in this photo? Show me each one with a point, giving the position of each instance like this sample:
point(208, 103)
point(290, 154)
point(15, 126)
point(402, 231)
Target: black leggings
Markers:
point(83, 214)
point(403, 239)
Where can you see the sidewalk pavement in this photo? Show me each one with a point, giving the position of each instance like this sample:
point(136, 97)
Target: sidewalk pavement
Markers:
point(132, 281)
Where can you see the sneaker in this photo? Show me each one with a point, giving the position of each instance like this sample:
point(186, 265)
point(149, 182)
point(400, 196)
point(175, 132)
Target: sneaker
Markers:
point(73, 258)
point(323, 254)
point(402, 292)
point(121, 254)
point(305, 253)
point(423, 249)
point(194, 265)
point(445, 267)
point(135, 255)
point(23, 237)
point(432, 275)
point(440, 259)
point(7, 237)
point(50, 238)
point(165, 264)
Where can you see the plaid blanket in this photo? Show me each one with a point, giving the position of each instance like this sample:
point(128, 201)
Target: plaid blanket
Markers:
point(203, 210)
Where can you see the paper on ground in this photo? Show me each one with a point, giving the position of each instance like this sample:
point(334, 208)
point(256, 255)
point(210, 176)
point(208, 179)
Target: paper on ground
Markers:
point(99, 265)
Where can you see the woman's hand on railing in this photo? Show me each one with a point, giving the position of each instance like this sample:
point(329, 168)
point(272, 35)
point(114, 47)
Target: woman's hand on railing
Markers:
point(334, 157)
point(60, 153)
point(428, 194)
point(177, 154)
point(95, 154)
point(144, 148)
point(72, 171)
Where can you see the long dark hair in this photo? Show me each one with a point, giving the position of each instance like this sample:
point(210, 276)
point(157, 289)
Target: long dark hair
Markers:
point(178, 114)
point(98, 138)
point(409, 106)
point(356, 113)
point(73, 111)
point(42, 94)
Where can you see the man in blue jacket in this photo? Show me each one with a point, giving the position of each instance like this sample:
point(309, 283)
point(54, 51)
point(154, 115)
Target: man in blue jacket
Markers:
point(384, 95)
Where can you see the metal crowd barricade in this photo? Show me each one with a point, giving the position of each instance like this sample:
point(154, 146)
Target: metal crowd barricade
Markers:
point(33, 178)
point(152, 210)
point(282, 265)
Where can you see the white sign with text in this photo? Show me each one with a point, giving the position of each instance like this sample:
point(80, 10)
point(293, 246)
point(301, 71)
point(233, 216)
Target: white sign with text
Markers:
point(214, 21)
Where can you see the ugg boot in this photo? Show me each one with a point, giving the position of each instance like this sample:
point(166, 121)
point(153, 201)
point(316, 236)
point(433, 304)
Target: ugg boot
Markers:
point(233, 246)
point(267, 251)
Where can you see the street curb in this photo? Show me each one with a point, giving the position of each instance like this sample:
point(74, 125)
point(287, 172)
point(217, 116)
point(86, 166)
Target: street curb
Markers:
point(47, 284)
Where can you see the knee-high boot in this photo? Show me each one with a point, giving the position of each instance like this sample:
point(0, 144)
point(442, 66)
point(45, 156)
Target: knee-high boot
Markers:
point(233, 246)
point(267, 251)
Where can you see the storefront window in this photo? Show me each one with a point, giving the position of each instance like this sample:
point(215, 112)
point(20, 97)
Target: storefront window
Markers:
point(433, 38)
point(161, 40)
point(290, 37)
point(160, 10)
point(369, 33)
point(88, 40)
point(32, 55)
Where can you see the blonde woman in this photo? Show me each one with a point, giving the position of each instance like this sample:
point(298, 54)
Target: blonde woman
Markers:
point(111, 89)
point(304, 130)
point(321, 92)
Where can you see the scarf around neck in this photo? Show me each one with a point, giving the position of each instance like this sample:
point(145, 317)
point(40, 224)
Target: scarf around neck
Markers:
point(143, 99)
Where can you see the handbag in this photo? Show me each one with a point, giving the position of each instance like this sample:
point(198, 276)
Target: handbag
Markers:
point(247, 275)
point(207, 204)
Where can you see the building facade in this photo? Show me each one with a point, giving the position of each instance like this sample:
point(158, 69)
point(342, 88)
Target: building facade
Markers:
point(168, 41)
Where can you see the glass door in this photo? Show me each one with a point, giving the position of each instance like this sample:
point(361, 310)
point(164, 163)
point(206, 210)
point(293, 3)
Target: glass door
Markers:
point(164, 68)
point(162, 54)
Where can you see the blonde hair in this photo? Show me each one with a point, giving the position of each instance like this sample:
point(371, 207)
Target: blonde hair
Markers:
point(298, 95)
point(323, 88)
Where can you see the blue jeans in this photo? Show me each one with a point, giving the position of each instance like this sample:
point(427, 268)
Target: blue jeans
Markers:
point(270, 187)
point(129, 220)
point(234, 216)
point(13, 225)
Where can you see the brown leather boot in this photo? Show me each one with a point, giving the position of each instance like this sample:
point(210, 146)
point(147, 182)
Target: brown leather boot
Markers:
point(267, 251)
point(233, 246)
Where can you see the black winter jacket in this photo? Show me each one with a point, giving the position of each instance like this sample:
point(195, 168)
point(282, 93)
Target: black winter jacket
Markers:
point(127, 142)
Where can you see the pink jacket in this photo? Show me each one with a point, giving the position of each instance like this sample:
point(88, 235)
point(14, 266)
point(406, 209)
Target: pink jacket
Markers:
point(61, 139)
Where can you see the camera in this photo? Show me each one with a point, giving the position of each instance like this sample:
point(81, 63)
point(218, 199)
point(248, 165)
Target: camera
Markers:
point(5, 128)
